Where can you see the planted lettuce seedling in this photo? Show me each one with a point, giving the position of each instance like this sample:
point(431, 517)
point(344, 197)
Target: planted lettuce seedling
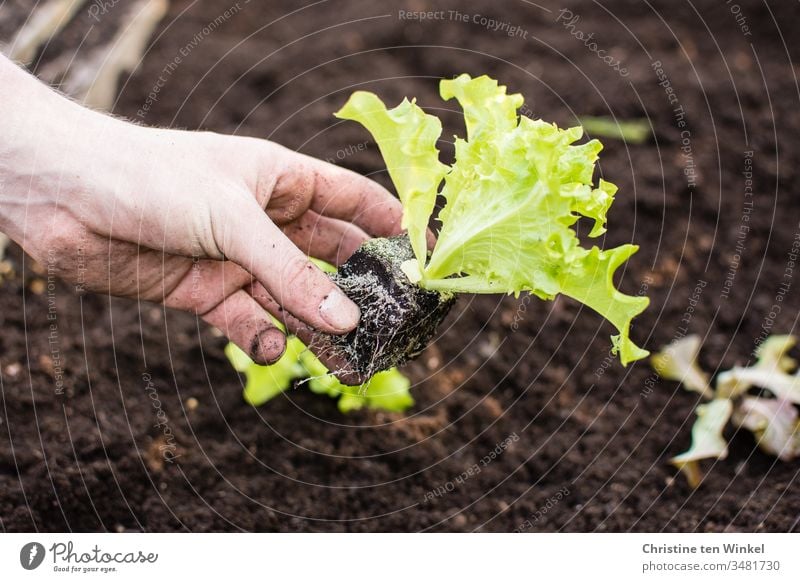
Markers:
point(516, 189)
point(771, 414)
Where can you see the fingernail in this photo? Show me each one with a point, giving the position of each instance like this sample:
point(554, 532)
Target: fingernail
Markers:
point(273, 345)
point(268, 346)
point(339, 312)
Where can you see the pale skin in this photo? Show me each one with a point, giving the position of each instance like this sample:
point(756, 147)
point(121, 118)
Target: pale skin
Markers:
point(220, 226)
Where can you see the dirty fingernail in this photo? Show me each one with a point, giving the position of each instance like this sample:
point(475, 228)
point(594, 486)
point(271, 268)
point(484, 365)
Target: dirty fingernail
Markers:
point(339, 312)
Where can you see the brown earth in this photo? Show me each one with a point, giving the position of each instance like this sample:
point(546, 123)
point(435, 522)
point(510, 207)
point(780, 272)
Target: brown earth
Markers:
point(573, 420)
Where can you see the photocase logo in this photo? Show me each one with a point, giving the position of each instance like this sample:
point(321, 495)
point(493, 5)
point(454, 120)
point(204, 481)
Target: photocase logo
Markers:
point(31, 555)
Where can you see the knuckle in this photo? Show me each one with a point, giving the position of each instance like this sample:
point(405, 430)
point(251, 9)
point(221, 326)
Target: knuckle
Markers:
point(292, 193)
point(363, 201)
point(298, 276)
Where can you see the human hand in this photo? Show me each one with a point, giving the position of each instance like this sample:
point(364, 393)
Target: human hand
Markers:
point(217, 225)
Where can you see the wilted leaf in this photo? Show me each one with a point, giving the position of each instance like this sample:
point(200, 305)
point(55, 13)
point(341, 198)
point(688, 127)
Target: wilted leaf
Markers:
point(707, 440)
point(774, 422)
point(678, 361)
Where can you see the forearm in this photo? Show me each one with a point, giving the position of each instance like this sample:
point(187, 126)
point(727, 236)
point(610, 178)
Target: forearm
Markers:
point(45, 143)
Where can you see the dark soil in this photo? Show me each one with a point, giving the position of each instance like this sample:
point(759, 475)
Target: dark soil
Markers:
point(398, 318)
point(92, 458)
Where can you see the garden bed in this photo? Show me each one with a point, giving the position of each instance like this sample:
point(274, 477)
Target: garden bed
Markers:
point(519, 395)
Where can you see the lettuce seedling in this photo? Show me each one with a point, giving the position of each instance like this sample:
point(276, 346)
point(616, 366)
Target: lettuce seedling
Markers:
point(512, 198)
point(774, 422)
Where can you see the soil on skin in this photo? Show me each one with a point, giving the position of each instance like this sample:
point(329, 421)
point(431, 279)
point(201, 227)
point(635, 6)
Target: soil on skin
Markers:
point(563, 436)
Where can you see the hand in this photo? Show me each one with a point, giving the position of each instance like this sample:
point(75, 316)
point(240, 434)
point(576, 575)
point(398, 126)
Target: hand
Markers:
point(217, 225)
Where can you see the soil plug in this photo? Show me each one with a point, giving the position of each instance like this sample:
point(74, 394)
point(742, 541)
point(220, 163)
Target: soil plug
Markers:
point(398, 318)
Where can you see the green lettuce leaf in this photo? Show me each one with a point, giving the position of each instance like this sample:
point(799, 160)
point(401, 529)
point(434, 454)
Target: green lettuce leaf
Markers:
point(264, 383)
point(388, 390)
point(513, 195)
point(407, 137)
point(590, 280)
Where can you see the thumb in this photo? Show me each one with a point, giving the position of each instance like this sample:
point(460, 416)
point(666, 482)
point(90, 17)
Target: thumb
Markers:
point(256, 244)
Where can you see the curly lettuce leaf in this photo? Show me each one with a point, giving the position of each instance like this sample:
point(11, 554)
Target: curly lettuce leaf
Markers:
point(406, 136)
point(513, 195)
point(590, 280)
point(388, 390)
